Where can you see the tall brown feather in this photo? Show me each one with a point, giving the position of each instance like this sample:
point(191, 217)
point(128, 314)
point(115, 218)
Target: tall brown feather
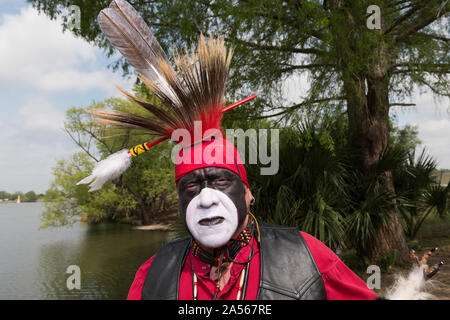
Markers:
point(194, 92)
point(136, 21)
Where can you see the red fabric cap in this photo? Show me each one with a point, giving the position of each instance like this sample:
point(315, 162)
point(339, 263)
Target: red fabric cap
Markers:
point(216, 152)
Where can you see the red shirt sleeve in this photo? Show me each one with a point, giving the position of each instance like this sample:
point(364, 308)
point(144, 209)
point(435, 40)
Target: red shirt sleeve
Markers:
point(138, 283)
point(340, 282)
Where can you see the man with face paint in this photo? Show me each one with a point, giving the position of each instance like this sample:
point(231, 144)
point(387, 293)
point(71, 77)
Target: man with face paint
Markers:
point(230, 255)
point(212, 205)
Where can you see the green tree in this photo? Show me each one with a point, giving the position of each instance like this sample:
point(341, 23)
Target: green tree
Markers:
point(406, 138)
point(369, 70)
point(16, 194)
point(142, 194)
point(30, 196)
point(5, 195)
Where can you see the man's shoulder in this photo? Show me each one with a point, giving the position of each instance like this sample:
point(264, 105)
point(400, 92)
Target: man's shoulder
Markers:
point(312, 242)
point(309, 239)
point(172, 245)
point(324, 257)
point(178, 241)
point(265, 225)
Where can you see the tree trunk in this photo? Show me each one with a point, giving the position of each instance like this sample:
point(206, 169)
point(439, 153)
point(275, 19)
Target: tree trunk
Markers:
point(144, 215)
point(368, 111)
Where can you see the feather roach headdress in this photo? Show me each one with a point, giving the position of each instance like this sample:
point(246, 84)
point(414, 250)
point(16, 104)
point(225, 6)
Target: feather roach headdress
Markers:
point(192, 91)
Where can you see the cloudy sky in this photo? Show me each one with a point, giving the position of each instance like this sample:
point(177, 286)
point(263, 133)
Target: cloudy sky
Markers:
point(44, 71)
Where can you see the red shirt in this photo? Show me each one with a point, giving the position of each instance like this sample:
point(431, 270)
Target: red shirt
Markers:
point(340, 282)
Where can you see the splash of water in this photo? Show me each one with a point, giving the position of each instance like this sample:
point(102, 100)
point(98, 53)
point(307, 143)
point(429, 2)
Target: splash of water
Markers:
point(412, 287)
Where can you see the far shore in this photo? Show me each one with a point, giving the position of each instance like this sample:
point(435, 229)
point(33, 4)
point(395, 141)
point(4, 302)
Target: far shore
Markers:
point(15, 201)
point(158, 227)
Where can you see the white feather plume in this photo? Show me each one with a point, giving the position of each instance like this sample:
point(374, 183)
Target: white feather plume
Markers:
point(412, 287)
point(108, 169)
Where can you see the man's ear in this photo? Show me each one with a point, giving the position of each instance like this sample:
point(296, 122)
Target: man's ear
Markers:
point(249, 199)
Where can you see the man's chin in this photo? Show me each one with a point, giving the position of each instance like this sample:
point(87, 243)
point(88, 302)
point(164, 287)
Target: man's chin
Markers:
point(213, 239)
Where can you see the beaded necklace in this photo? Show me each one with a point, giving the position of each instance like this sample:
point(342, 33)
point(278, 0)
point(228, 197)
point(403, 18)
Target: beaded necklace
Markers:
point(242, 282)
point(243, 240)
point(230, 251)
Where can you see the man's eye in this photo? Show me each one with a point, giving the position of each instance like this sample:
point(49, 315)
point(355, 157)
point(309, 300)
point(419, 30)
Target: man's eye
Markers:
point(221, 181)
point(191, 186)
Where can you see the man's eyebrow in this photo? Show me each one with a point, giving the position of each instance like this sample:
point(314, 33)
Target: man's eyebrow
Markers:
point(220, 174)
point(192, 179)
point(189, 179)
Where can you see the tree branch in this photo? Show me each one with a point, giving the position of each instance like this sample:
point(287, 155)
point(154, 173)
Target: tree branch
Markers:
point(423, 20)
point(434, 36)
point(296, 106)
point(275, 48)
point(420, 67)
point(441, 38)
point(401, 19)
point(78, 143)
point(306, 66)
point(98, 139)
point(402, 104)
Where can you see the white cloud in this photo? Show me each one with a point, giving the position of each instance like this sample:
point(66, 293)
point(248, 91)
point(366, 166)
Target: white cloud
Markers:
point(38, 114)
point(75, 80)
point(43, 71)
point(35, 52)
point(32, 44)
point(30, 145)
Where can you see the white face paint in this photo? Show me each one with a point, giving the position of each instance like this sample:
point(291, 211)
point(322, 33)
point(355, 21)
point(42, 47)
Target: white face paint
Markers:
point(212, 218)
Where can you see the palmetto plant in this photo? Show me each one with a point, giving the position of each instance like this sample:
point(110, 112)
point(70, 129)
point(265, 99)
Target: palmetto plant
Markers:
point(319, 190)
point(310, 189)
point(367, 210)
point(419, 193)
point(369, 201)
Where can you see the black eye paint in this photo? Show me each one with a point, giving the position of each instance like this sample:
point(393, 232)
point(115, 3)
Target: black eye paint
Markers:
point(216, 178)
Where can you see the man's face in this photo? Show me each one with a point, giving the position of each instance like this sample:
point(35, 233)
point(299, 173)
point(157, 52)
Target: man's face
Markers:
point(212, 205)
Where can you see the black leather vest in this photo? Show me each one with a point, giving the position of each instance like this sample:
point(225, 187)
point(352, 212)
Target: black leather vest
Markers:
point(288, 270)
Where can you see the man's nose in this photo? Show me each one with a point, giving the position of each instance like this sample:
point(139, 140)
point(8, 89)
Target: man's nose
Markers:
point(207, 198)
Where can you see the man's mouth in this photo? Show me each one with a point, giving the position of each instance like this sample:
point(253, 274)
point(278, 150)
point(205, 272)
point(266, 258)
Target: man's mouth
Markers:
point(211, 221)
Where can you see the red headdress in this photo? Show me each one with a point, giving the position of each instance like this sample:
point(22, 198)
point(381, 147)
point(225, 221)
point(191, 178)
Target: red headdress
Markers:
point(192, 94)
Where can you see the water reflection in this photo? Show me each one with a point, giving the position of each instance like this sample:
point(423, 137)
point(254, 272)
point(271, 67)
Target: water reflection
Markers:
point(34, 263)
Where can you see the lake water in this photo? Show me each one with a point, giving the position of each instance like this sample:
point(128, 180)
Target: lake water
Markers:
point(33, 263)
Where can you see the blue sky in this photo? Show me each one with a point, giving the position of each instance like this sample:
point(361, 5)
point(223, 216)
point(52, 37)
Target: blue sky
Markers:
point(44, 71)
